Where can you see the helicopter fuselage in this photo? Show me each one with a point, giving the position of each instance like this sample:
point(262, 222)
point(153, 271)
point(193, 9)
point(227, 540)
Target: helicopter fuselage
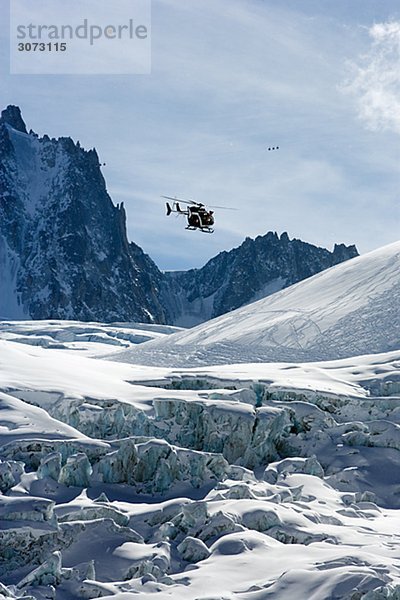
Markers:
point(198, 217)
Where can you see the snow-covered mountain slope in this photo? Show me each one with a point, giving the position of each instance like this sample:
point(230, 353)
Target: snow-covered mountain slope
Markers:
point(257, 268)
point(247, 481)
point(352, 308)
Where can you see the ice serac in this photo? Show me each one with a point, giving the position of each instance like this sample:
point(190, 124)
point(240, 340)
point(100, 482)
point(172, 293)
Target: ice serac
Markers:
point(64, 251)
point(124, 481)
point(257, 268)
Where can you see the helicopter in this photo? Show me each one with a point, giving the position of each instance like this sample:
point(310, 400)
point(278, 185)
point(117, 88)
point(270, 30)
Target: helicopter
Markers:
point(197, 214)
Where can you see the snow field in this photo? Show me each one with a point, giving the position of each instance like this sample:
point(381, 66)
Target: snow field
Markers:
point(348, 310)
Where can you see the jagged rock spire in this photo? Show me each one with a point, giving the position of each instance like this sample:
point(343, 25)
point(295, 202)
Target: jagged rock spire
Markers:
point(12, 116)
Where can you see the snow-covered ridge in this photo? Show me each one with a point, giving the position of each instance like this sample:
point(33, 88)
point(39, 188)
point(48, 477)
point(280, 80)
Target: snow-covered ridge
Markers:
point(349, 309)
point(255, 269)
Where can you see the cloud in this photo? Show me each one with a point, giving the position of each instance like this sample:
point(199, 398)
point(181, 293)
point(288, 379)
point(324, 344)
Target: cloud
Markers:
point(376, 84)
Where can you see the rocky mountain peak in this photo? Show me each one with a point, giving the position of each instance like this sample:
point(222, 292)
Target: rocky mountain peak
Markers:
point(12, 116)
point(64, 251)
point(342, 252)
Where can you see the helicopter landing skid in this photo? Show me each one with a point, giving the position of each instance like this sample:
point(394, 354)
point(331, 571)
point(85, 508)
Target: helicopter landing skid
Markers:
point(203, 229)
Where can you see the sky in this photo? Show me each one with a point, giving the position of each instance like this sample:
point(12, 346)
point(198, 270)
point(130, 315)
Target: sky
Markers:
point(229, 78)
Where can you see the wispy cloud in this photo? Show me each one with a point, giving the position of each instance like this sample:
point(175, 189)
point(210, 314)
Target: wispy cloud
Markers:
point(376, 84)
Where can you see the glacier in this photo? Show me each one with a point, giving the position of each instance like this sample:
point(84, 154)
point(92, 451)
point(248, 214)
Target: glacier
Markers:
point(240, 481)
point(126, 476)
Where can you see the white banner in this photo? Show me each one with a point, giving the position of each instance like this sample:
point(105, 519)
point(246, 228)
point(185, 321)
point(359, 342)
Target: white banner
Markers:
point(86, 37)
